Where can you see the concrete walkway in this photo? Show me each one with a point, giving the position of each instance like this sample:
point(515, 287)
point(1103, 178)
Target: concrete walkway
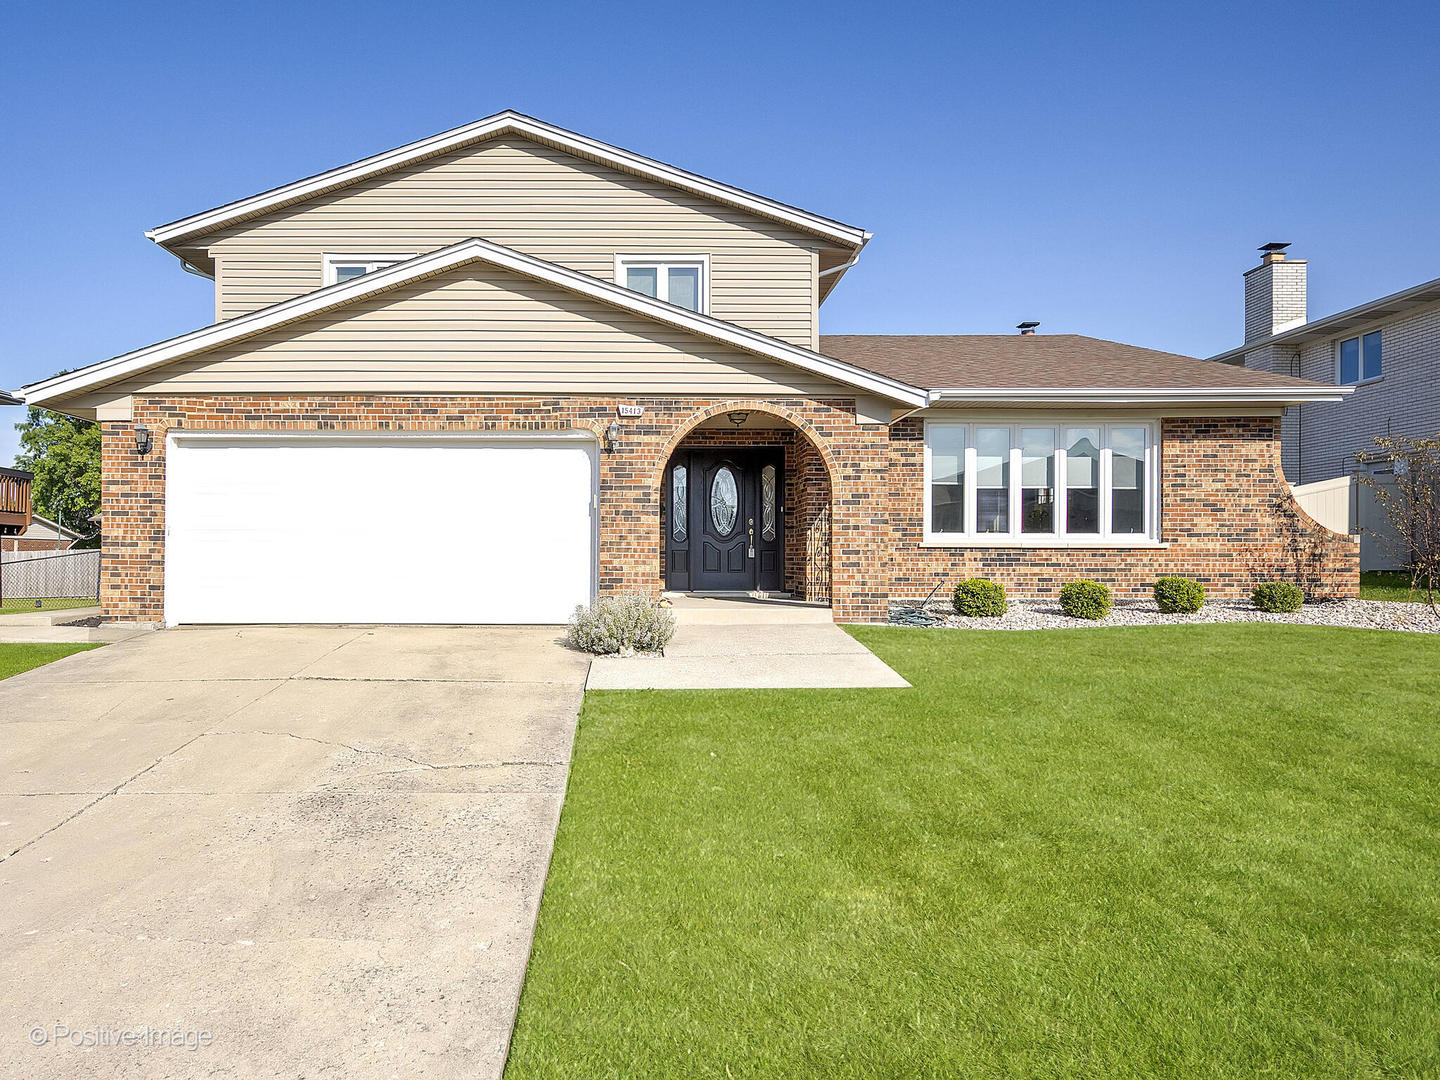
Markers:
point(49, 626)
point(322, 846)
point(748, 644)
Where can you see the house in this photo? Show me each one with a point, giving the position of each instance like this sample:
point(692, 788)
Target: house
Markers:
point(1387, 351)
point(607, 374)
point(41, 534)
point(15, 510)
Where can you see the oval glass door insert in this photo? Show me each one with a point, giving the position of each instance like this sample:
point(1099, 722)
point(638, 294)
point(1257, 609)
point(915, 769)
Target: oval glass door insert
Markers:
point(724, 501)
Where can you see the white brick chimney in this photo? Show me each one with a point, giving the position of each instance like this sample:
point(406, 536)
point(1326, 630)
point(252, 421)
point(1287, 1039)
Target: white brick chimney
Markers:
point(1274, 294)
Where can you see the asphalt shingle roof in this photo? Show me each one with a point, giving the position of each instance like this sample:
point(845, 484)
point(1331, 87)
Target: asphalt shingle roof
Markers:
point(1037, 361)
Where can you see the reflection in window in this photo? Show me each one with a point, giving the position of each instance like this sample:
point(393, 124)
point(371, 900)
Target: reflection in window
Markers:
point(1082, 480)
point(1037, 480)
point(992, 479)
point(678, 508)
point(1127, 480)
point(947, 479)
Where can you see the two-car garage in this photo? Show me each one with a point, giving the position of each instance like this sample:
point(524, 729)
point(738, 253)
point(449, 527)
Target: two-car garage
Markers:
point(378, 528)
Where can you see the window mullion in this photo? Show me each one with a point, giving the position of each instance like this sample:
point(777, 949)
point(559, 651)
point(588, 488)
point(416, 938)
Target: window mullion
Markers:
point(1062, 493)
point(1106, 494)
point(971, 478)
point(1014, 493)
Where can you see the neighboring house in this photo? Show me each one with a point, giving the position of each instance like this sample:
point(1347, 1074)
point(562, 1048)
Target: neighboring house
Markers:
point(15, 510)
point(1387, 350)
point(605, 374)
point(41, 534)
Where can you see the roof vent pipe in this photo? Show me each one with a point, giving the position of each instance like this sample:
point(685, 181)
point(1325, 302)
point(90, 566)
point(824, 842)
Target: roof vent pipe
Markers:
point(1026, 327)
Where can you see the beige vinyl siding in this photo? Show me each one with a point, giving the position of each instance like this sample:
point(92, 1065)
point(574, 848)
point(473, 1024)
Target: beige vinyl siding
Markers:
point(541, 201)
point(478, 329)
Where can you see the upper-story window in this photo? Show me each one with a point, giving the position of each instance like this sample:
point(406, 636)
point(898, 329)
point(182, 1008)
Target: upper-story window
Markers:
point(1358, 359)
point(680, 280)
point(340, 268)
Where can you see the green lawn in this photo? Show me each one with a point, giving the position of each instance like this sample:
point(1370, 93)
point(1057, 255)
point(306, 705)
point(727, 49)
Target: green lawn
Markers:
point(17, 658)
point(1388, 585)
point(1206, 851)
point(10, 606)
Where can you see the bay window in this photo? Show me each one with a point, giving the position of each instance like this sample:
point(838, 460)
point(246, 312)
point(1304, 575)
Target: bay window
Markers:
point(1037, 484)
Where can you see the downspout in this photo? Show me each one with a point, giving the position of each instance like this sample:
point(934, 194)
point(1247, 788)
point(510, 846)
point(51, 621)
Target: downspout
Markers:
point(189, 269)
point(1299, 425)
point(839, 269)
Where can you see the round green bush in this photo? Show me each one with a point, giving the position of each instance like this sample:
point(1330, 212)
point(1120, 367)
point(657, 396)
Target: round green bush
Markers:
point(1179, 595)
point(1277, 596)
point(1085, 599)
point(980, 598)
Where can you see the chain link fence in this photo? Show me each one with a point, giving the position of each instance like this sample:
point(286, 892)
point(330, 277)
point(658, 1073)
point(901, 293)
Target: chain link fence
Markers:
point(43, 575)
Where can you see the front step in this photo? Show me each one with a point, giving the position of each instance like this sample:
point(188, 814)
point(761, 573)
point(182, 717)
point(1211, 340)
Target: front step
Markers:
point(742, 609)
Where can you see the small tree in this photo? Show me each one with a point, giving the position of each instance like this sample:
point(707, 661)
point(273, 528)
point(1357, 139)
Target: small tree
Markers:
point(1411, 504)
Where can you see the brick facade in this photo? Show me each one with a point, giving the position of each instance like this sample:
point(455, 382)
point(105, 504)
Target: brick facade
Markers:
point(853, 501)
point(852, 455)
point(1227, 520)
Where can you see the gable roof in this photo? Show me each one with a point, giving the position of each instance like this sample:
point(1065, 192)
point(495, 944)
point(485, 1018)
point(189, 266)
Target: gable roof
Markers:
point(1342, 322)
point(50, 527)
point(1060, 368)
point(435, 262)
point(504, 123)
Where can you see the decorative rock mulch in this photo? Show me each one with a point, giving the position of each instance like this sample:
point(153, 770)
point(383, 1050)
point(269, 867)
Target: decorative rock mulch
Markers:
point(1046, 615)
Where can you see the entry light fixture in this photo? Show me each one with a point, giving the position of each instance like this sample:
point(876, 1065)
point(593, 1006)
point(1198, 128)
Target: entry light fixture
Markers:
point(142, 439)
point(738, 417)
point(612, 435)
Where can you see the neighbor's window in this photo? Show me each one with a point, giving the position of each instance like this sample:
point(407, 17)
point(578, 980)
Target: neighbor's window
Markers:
point(1040, 483)
point(683, 282)
point(340, 268)
point(1359, 358)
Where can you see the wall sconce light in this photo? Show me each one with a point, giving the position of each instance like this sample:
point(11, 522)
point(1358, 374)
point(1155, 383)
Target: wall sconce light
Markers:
point(612, 435)
point(738, 417)
point(142, 439)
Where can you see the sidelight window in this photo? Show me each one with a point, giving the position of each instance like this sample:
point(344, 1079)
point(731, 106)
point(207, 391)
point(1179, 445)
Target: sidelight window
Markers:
point(678, 508)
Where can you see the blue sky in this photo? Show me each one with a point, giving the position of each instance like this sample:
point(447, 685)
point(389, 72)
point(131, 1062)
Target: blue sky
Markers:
point(1106, 169)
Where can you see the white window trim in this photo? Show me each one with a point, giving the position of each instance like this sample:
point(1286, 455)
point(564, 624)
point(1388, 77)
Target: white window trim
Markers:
point(1359, 340)
point(330, 264)
point(1150, 538)
point(622, 262)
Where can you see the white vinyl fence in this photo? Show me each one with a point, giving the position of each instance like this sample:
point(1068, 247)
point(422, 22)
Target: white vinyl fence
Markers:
point(36, 575)
point(1328, 502)
point(1345, 505)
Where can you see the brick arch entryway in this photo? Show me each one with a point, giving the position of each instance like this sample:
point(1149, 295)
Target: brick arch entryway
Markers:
point(745, 493)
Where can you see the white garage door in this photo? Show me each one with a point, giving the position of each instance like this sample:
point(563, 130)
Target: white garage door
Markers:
point(377, 529)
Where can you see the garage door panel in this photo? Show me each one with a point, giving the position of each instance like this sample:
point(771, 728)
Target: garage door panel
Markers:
point(385, 530)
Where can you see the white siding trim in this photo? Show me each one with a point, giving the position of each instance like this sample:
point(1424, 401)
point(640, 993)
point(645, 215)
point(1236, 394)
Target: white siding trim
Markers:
point(445, 259)
point(504, 123)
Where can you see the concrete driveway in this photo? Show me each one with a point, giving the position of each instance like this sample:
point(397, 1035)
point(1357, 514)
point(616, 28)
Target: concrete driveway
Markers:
point(307, 852)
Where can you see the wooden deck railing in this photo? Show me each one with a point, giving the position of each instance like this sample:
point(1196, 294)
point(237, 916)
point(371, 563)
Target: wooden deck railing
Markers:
point(14, 500)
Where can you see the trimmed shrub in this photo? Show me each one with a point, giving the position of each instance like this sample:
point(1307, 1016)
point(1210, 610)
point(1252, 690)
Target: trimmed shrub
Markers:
point(1179, 595)
point(980, 598)
point(630, 622)
point(1277, 596)
point(1085, 599)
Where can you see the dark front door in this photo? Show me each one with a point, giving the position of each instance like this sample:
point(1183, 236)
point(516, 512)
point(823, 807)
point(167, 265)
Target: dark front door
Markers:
point(723, 521)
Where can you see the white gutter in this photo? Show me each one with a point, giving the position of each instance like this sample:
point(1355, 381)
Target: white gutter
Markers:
point(1104, 395)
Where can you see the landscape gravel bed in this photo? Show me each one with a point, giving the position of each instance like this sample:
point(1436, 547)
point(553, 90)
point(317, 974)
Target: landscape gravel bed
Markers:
point(1046, 615)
